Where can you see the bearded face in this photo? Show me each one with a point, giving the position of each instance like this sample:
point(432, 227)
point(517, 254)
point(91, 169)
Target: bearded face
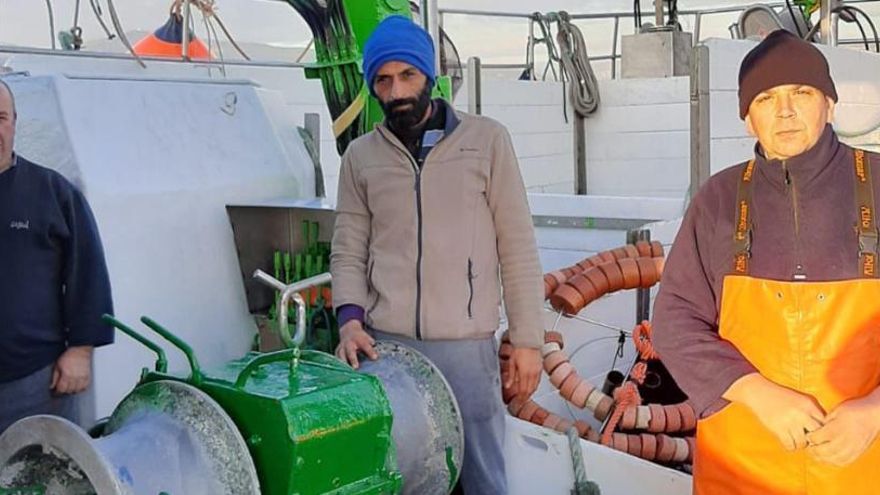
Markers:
point(405, 114)
point(405, 95)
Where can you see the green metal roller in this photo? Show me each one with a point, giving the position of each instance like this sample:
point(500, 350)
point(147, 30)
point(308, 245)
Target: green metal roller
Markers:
point(283, 423)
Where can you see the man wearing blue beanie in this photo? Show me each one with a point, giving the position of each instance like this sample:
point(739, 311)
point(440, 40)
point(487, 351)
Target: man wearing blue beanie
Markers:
point(431, 222)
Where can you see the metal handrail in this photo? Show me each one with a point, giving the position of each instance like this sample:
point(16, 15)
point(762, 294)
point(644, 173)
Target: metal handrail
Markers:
point(623, 14)
point(125, 56)
point(697, 14)
point(614, 56)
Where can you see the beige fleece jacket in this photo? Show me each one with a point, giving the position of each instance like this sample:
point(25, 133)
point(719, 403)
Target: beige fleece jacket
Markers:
point(427, 252)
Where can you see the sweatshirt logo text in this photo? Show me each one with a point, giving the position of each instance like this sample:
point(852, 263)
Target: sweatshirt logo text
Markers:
point(18, 225)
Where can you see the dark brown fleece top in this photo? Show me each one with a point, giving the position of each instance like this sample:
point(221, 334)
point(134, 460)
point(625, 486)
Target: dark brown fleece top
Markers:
point(817, 189)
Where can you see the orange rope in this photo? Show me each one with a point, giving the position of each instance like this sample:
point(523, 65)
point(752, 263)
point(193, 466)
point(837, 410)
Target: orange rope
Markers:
point(642, 334)
point(625, 396)
point(639, 372)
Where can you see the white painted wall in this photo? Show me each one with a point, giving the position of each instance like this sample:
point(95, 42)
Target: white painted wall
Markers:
point(638, 142)
point(534, 115)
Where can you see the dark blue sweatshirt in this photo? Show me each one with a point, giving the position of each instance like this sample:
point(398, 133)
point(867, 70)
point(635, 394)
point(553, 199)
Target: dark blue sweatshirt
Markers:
point(54, 285)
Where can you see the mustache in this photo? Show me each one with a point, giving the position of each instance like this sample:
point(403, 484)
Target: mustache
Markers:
point(395, 105)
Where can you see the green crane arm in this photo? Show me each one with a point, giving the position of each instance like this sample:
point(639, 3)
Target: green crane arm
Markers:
point(340, 29)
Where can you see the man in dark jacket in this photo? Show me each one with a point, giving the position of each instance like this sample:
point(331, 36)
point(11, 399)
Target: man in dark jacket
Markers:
point(53, 285)
point(767, 315)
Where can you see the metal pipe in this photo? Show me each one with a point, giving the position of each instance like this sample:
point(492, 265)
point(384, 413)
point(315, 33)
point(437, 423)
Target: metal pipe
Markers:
point(579, 144)
point(433, 27)
point(186, 34)
point(485, 13)
point(698, 23)
point(609, 15)
point(269, 280)
point(306, 283)
point(51, 23)
point(825, 34)
point(195, 370)
point(475, 86)
point(504, 66)
point(530, 50)
point(262, 360)
point(119, 56)
point(614, 48)
point(834, 25)
point(423, 13)
point(161, 359)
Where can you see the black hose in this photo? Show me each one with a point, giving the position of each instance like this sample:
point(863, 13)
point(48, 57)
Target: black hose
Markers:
point(854, 13)
point(673, 14)
point(862, 30)
point(794, 18)
point(637, 14)
point(870, 23)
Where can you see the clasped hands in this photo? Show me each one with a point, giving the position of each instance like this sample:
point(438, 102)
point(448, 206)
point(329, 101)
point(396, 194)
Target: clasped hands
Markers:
point(838, 437)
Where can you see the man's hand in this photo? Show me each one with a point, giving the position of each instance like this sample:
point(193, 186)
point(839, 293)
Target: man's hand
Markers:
point(73, 370)
point(353, 338)
point(787, 414)
point(525, 371)
point(848, 432)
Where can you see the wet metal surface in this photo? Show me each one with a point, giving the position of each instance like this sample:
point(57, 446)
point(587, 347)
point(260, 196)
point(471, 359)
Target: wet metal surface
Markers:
point(427, 427)
point(212, 454)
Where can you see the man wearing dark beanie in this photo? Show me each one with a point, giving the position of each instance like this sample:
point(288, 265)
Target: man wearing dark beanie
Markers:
point(431, 209)
point(767, 316)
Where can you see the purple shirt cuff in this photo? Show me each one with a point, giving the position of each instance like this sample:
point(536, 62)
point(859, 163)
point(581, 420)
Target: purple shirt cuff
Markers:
point(348, 312)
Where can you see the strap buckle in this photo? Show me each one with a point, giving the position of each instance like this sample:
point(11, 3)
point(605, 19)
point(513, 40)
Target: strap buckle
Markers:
point(745, 245)
point(868, 242)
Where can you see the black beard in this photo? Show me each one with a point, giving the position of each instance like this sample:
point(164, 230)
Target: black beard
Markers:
point(407, 121)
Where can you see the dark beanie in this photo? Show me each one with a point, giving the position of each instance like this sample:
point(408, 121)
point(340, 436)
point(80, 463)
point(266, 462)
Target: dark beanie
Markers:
point(782, 58)
point(398, 39)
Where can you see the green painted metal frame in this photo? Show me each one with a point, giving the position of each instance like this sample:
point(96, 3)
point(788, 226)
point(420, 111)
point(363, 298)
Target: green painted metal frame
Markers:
point(312, 424)
point(339, 66)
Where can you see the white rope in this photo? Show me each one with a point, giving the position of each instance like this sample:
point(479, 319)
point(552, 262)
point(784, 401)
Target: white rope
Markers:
point(584, 88)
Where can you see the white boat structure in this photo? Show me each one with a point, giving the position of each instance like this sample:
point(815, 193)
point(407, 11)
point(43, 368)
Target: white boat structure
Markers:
point(172, 153)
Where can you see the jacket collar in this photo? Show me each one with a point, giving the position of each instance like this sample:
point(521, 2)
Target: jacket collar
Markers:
point(803, 168)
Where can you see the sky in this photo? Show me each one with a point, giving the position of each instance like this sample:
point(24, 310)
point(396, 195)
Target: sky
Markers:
point(25, 22)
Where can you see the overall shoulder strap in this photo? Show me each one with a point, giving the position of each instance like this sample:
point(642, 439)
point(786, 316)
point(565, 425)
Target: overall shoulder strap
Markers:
point(742, 231)
point(868, 236)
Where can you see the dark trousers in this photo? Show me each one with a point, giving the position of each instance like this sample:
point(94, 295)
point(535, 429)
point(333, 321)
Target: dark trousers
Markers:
point(31, 395)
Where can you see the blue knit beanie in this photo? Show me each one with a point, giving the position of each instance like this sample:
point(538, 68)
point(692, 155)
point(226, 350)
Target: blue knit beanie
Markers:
point(398, 39)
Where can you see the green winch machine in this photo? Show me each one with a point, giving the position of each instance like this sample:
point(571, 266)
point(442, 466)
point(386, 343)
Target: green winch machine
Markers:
point(281, 423)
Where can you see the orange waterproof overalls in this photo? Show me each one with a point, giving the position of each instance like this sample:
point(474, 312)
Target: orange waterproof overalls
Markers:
point(818, 338)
